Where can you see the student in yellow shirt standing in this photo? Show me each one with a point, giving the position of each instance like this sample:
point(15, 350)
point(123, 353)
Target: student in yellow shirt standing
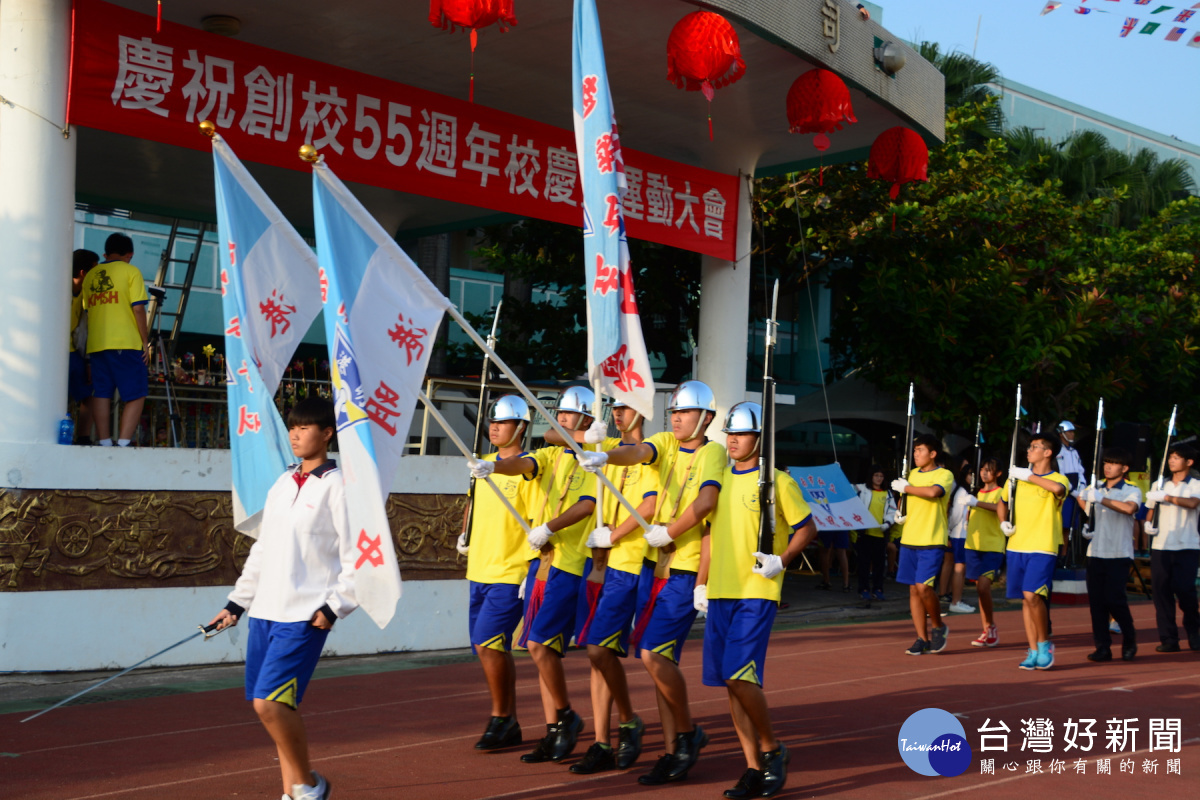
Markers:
point(744, 588)
point(985, 547)
point(1034, 539)
point(923, 542)
point(872, 542)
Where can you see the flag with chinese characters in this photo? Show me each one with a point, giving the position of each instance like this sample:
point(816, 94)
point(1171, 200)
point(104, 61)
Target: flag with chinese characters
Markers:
point(381, 320)
point(269, 298)
point(617, 357)
point(834, 501)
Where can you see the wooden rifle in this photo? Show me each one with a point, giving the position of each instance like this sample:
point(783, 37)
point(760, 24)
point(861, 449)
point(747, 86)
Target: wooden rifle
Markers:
point(480, 418)
point(766, 437)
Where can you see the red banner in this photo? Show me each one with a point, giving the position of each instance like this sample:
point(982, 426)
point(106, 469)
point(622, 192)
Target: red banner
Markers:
point(129, 79)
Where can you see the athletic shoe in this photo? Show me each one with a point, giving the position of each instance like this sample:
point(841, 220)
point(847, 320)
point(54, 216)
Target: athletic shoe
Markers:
point(946, 599)
point(687, 752)
point(1194, 641)
point(775, 765)
point(1045, 657)
point(660, 774)
point(1030, 661)
point(322, 791)
point(919, 646)
point(1113, 627)
point(629, 742)
point(879, 595)
point(749, 785)
point(501, 732)
point(545, 747)
point(937, 639)
point(989, 638)
point(569, 726)
point(598, 758)
point(1100, 654)
point(1128, 651)
point(1167, 647)
point(864, 594)
point(961, 608)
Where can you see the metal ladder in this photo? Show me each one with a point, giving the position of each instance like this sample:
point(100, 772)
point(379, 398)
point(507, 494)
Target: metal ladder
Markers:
point(179, 234)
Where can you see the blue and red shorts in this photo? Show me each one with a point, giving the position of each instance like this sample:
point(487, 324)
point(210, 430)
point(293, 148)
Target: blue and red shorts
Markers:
point(553, 622)
point(735, 640)
point(280, 659)
point(672, 617)
point(612, 619)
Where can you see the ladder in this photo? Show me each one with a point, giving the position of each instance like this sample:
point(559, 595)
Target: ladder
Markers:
point(179, 235)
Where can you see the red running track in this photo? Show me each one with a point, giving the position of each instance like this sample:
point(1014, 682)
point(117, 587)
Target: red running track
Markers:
point(838, 694)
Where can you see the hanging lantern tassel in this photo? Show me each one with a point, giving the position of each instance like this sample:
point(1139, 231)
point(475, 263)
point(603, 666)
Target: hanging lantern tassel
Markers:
point(898, 155)
point(471, 15)
point(474, 44)
point(706, 89)
point(158, 24)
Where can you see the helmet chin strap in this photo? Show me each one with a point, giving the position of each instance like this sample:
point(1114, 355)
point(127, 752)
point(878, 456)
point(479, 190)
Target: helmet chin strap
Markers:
point(634, 421)
point(699, 424)
point(757, 447)
point(516, 437)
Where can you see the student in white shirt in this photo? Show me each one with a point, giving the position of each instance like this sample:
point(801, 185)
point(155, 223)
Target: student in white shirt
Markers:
point(1175, 550)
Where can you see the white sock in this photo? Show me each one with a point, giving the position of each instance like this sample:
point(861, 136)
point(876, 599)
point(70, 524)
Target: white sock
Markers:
point(105, 443)
point(122, 443)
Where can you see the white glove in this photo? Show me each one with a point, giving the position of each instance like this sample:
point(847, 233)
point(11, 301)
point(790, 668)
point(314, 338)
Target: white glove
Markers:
point(1020, 474)
point(700, 598)
point(1150, 529)
point(597, 432)
point(1155, 496)
point(1008, 528)
point(539, 536)
point(601, 537)
point(1094, 495)
point(657, 536)
point(768, 565)
point(592, 462)
point(972, 500)
point(461, 545)
point(899, 485)
point(521, 591)
point(1088, 534)
point(900, 518)
point(480, 469)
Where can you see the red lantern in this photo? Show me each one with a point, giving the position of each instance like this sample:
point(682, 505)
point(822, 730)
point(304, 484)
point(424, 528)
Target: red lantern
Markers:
point(472, 15)
point(899, 155)
point(703, 54)
point(819, 103)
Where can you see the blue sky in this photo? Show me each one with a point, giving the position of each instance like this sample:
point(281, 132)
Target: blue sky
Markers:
point(1140, 79)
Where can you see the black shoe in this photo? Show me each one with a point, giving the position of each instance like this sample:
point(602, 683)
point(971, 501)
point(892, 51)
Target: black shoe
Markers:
point(1194, 641)
point(598, 758)
point(775, 764)
point(687, 751)
point(1128, 651)
point(545, 747)
point(660, 773)
point(501, 732)
point(629, 743)
point(569, 726)
point(823, 585)
point(749, 785)
point(1100, 654)
point(1173, 647)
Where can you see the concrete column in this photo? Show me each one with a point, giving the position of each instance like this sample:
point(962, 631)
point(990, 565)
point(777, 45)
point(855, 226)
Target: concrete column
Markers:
point(724, 319)
point(37, 167)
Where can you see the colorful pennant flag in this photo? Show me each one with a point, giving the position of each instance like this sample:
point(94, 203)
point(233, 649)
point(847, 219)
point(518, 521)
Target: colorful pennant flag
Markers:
point(1150, 27)
point(1184, 16)
point(1176, 34)
point(1127, 28)
point(1082, 10)
point(1050, 6)
point(1161, 9)
point(1195, 41)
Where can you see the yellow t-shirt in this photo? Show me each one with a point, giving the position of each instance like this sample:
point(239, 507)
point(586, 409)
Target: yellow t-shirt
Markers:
point(110, 291)
point(636, 482)
point(76, 314)
point(683, 473)
point(560, 485)
point(925, 525)
point(499, 550)
point(877, 508)
point(733, 536)
point(1039, 516)
point(983, 527)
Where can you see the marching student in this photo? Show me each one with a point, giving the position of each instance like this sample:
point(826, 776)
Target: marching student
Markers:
point(1175, 550)
point(928, 487)
point(498, 562)
point(744, 589)
point(956, 553)
point(690, 470)
point(562, 501)
point(985, 547)
point(1034, 542)
point(1110, 553)
point(872, 542)
point(297, 582)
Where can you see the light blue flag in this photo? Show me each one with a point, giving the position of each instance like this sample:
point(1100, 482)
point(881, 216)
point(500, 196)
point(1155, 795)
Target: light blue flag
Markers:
point(834, 501)
point(269, 298)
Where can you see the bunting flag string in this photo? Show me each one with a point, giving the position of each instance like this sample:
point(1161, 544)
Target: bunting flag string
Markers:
point(1173, 20)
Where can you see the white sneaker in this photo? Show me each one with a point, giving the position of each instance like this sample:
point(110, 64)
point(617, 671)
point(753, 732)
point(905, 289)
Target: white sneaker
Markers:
point(322, 791)
point(961, 608)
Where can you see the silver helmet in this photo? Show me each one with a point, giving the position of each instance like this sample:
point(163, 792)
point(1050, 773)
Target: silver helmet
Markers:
point(576, 398)
point(692, 394)
point(1065, 426)
point(509, 407)
point(745, 417)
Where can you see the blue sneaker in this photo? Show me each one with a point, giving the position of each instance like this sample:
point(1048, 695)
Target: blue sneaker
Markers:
point(1045, 655)
point(1030, 662)
point(879, 595)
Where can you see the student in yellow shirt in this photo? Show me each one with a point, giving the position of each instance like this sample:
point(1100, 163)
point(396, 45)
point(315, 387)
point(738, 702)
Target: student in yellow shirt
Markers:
point(743, 590)
point(79, 379)
point(985, 547)
point(690, 469)
point(1034, 538)
point(924, 541)
point(872, 542)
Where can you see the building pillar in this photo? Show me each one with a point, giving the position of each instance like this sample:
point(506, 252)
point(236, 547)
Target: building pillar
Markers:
point(37, 211)
point(724, 318)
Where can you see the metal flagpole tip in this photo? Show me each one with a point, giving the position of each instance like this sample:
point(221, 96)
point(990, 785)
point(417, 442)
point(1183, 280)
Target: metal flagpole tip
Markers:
point(309, 153)
point(208, 129)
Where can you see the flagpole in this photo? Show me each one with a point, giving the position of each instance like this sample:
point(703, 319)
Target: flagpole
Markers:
point(461, 445)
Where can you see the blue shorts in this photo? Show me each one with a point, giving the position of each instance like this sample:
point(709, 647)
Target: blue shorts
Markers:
point(959, 548)
point(78, 385)
point(839, 540)
point(494, 613)
point(645, 586)
point(554, 621)
point(671, 621)
point(735, 640)
point(919, 565)
point(119, 370)
point(280, 659)
point(613, 618)
point(984, 564)
point(582, 608)
point(1030, 572)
